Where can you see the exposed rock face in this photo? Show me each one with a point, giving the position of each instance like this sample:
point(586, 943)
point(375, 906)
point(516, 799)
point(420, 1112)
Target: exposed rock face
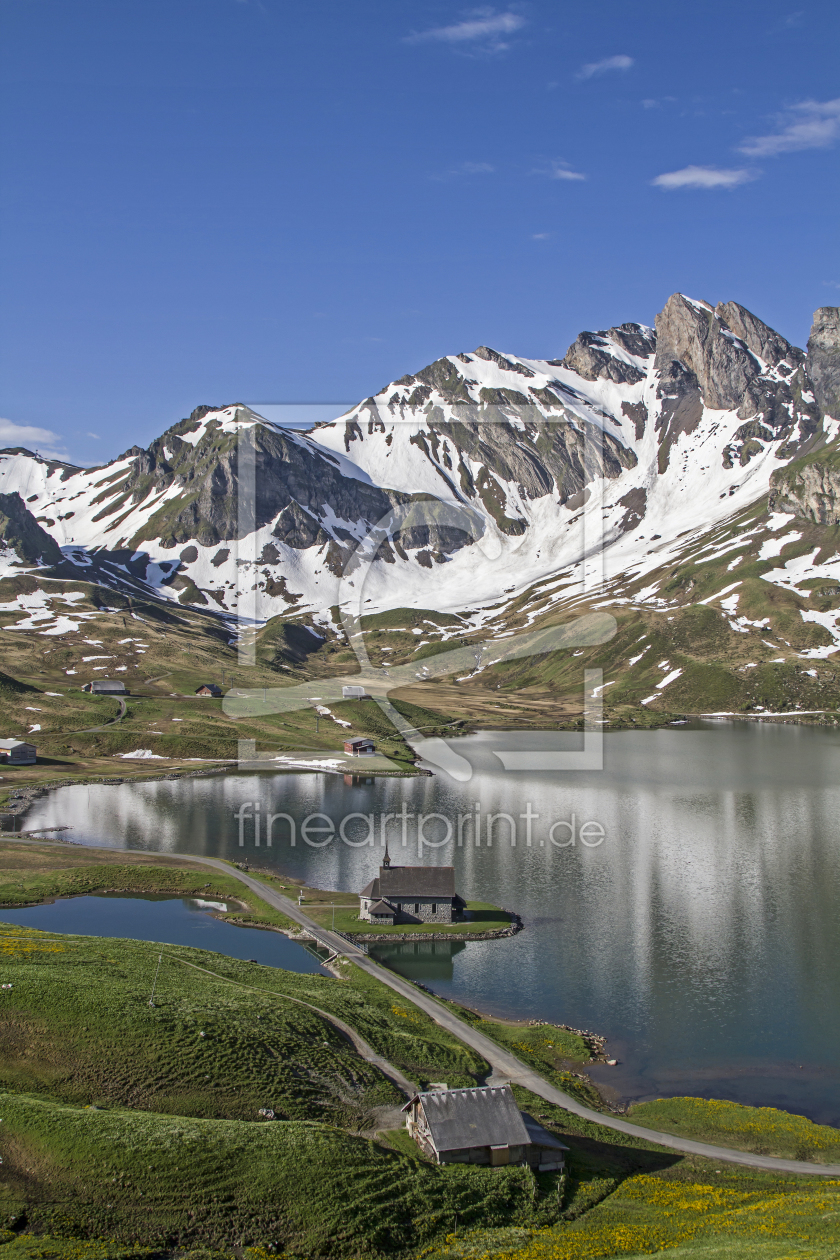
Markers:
point(20, 532)
point(591, 359)
point(753, 371)
point(757, 336)
point(810, 488)
point(692, 335)
point(824, 359)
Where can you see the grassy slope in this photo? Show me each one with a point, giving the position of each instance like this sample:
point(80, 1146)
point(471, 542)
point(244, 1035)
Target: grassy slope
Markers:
point(78, 1030)
point(699, 1217)
point(312, 1189)
point(163, 654)
point(762, 1130)
point(78, 1025)
point(627, 1198)
point(81, 1046)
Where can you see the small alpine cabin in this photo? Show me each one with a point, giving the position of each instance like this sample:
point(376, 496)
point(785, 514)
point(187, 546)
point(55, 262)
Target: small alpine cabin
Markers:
point(481, 1125)
point(106, 687)
point(360, 747)
point(208, 689)
point(410, 894)
point(16, 752)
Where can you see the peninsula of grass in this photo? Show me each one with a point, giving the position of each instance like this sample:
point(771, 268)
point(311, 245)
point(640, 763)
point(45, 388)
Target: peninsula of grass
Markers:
point(480, 917)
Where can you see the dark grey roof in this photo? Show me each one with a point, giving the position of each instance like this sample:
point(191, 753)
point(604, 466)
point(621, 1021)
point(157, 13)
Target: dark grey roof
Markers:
point(9, 744)
point(415, 881)
point(540, 1136)
point(381, 907)
point(486, 1115)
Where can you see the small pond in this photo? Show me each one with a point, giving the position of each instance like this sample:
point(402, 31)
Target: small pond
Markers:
point(169, 920)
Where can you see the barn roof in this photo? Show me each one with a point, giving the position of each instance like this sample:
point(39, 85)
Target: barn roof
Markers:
point(9, 744)
point(485, 1115)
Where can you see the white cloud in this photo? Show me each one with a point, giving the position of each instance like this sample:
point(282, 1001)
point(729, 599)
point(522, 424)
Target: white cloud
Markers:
point(558, 170)
point(95, 436)
point(465, 168)
point(703, 177)
point(43, 440)
point(808, 125)
point(621, 62)
point(481, 27)
point(540, 236)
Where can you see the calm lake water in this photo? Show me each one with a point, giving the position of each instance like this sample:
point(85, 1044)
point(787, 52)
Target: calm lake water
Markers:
point(170, 920)
point(701, 935)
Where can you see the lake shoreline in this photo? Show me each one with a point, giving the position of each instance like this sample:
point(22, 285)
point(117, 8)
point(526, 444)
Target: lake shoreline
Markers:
point(21, 799)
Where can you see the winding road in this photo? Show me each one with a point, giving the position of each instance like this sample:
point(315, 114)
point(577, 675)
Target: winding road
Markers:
point(506, 1066)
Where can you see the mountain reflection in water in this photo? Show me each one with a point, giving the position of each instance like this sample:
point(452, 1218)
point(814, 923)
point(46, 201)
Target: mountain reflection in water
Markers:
point(701, 935)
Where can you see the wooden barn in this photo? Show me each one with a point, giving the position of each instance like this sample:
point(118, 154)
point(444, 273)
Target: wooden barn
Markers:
point(17, 752)
point(481, 1125)
point(106, 687)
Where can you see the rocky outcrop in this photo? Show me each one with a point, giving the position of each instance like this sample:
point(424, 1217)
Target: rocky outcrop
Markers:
point(591, 357)
point(753, 371)
point(810, 488)
point(824, 359)
point(21, 533)
point(757, 336)
point(691, 334)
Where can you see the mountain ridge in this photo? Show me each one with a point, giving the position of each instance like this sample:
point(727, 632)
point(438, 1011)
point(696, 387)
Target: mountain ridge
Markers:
point(513, 489)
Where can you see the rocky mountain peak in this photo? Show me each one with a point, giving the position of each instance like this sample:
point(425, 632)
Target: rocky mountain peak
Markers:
point(603, 355)
point(824, 359)
point(689, 333)
point(21, 533)
point(757, 336)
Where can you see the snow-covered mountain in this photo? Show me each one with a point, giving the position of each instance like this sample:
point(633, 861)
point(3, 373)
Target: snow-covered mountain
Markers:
point(494, 475)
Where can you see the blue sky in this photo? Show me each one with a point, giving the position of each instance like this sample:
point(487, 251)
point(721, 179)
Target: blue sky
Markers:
point(294, 201)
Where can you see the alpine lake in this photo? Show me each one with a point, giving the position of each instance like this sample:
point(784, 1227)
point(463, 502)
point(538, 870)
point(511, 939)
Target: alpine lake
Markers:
point(682, 901)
